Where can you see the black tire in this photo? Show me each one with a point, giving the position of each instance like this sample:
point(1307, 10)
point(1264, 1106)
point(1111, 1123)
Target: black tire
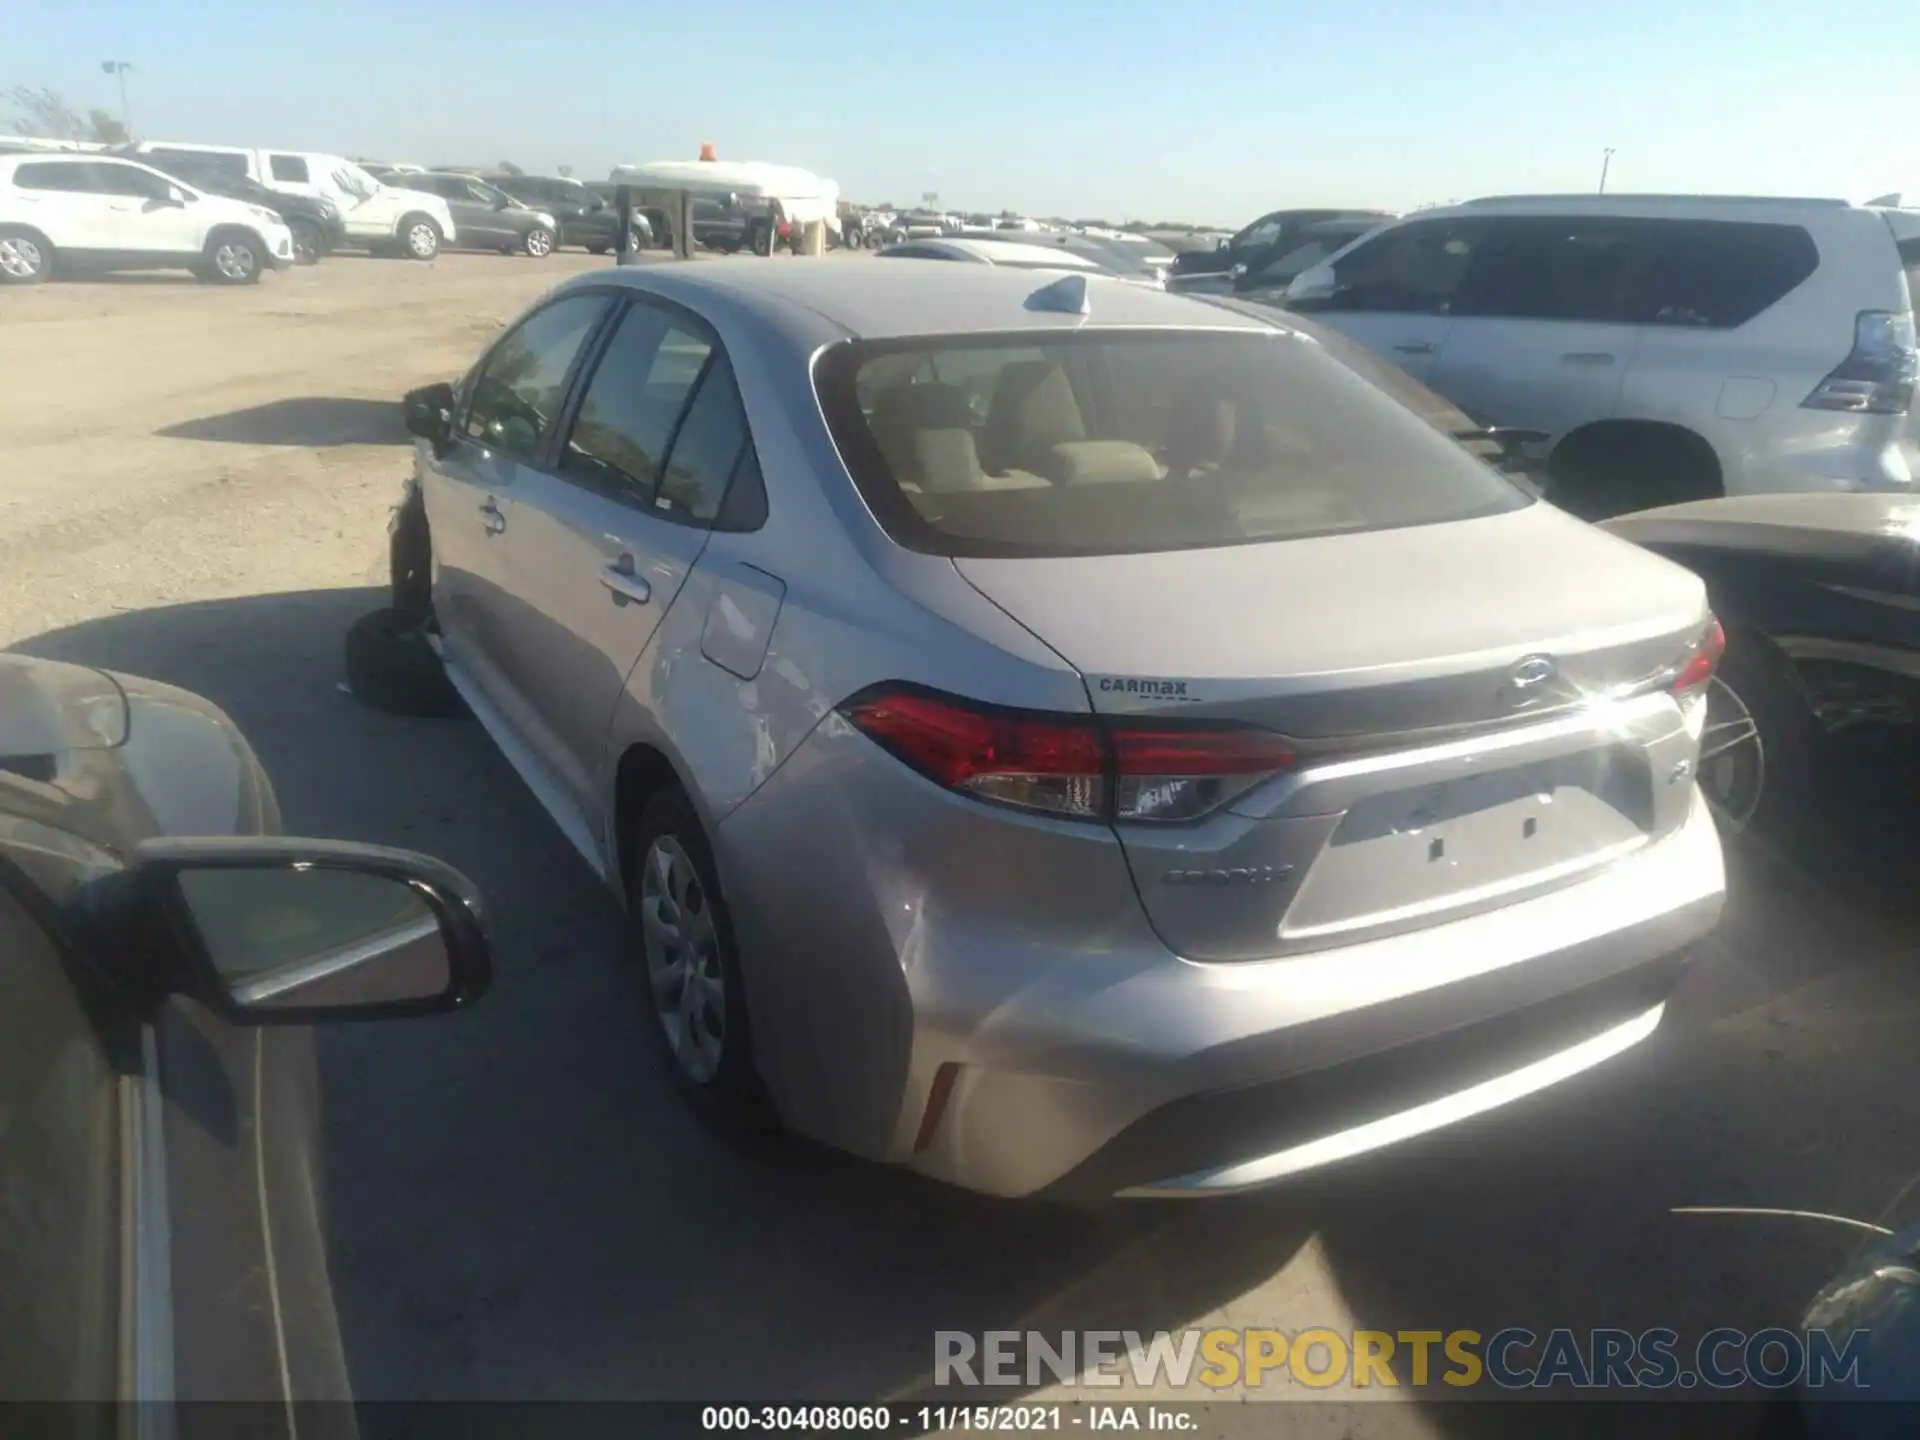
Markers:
point(731, 1097)
point(598, 249)
point(233, 257)
point(420, 237)
point(25, 256)
point(538, 242)
point(391, 667)
point(1612, 472)
point(309, 245)
point(1761, 683)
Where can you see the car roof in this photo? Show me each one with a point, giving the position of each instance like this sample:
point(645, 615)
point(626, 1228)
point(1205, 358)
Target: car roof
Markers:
point(1752, 207)
point(857, 297)
point(1014, 252)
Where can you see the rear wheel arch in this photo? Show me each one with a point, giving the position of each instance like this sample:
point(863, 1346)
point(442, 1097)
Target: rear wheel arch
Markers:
point(1613, 466)
point(644, 771)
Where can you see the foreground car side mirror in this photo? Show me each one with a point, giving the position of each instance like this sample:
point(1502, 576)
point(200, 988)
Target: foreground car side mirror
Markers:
point(273, 931)
point(429, 412)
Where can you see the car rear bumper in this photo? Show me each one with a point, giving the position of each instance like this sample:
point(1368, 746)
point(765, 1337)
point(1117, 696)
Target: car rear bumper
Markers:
point(1824, 451)
point(977, 994)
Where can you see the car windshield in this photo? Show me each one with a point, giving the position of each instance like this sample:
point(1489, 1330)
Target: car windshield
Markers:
point(354, 181)
point(1123, 442)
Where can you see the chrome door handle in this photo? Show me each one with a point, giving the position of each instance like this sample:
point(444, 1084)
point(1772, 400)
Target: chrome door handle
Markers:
point(495, 519)
point(1415, 347)
point(618, 577)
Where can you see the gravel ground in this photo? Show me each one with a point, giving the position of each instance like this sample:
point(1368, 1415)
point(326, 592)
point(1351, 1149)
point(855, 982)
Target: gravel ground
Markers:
point(197, 488)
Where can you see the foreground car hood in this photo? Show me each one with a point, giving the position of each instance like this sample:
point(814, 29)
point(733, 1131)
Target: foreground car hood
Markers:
point(117, 759)
point(1830, 527)
point(1347, 612)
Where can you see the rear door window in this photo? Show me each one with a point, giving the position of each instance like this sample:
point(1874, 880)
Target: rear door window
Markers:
point(517, 393)
point(291, 168)
point(633, 404)
point(1555, 269)
point(1122, 442)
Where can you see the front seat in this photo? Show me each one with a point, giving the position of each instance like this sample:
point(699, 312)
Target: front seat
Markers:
point(1032, 410)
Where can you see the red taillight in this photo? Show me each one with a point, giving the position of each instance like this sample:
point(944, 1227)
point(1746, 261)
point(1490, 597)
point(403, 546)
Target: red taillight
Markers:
point(1076, 765)
point(1699, 666)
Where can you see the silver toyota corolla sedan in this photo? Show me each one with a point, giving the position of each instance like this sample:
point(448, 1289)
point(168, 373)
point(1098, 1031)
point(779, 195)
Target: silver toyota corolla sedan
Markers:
point(1060, 736)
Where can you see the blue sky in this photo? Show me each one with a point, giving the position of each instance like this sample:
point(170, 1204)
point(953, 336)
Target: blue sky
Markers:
point(1169, 109)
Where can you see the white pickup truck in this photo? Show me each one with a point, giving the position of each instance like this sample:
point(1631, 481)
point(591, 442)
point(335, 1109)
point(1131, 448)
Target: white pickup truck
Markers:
point(383, 218)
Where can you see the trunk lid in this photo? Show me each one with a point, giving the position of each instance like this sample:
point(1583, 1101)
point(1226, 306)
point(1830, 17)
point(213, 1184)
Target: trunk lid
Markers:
point(1437, 683)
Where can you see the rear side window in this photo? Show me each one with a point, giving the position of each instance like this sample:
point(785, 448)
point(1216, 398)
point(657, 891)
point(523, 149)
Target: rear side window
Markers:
point(706, 448)
point(1717, 273)
point(288, 167)
point(517, 394)
point(1123, 442)
point(55, 176)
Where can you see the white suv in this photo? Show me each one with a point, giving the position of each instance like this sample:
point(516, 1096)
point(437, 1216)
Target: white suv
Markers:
point(94, 212)
point(386, 219)
point(1661, 348)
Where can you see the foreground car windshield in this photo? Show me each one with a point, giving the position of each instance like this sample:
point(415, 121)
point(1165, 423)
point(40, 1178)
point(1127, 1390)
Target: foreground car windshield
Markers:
point(1120, 442)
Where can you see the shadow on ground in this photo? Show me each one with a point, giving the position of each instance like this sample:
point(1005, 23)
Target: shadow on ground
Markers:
point(520, 1208)
point(310, 420)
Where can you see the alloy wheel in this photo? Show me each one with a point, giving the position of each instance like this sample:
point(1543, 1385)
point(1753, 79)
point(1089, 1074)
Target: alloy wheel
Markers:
point(683, 959)
point(1733, 758)
point(20, 257)
point(235, 261)
point(539, 243)
point(422, 241)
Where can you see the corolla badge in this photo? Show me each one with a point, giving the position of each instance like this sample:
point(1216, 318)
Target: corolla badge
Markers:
point(1528, 681)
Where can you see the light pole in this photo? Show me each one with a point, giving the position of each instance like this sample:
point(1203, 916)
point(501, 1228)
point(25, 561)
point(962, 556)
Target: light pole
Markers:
point(120, 68)
point(1606, 159)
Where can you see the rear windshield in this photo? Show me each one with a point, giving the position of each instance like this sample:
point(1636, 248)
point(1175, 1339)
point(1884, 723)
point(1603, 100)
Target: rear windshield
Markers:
point(1122, 442)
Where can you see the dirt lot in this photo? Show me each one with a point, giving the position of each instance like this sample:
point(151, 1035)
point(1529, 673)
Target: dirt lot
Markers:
point(168, 440)
point(196, 489)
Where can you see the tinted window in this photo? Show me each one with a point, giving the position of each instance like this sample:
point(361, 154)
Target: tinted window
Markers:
point(1122, 443)
point(126, 180)
point(633, 404)
point(517, 394)
point(288, 167)
point(1555, 269)
point(1635, 271)
point(707, 449)
point(52, 176)
point(1717, 273)
point(204, 160)
point(1411, 269)
point(59, 1183)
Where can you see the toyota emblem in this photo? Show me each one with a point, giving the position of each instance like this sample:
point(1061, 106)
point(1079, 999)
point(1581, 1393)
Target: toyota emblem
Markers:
point(1528, 679)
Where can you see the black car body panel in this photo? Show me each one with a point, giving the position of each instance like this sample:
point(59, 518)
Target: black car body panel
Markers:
point(1832, 581)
